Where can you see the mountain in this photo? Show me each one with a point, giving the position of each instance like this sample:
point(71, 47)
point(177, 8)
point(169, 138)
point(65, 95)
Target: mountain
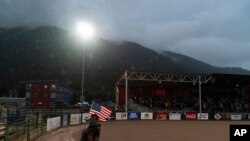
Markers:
point(45, 53)
point(192, 65)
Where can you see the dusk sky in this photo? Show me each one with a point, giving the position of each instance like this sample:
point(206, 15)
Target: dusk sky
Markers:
point(213, 31)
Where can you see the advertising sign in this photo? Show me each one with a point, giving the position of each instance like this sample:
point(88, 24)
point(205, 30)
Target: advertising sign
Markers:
point(236, 117)
point(160, 115)
point(191, 116)
point(121, 116)
point(65, 120)
point(133, 115)
point(75, 119)
point(246, 116)
point(146, 115)
point(203, 116)
point(53, 123)
point(174, 116)
point(84, 117)
point(217, 116)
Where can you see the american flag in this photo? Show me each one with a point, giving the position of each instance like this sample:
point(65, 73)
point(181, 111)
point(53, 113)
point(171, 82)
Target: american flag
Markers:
point(102, 112)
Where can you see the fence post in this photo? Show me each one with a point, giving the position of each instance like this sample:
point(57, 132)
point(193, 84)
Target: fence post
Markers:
point(36, 119)
point(28, 130)
point(68, 119)
point(17, 128)
point(42, 127)
point(6, 138)
point(40, 122)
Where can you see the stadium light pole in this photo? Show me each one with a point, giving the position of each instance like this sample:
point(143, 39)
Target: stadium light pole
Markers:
point(200, 104)
point(86, 31)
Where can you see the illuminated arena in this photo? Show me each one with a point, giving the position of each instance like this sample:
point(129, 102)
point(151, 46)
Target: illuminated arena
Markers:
point(156, 106)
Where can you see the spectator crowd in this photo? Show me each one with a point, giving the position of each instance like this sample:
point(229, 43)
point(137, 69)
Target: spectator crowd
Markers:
point(230, 102)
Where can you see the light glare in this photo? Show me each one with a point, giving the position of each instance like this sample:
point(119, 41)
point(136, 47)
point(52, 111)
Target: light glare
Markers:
point(85, 30)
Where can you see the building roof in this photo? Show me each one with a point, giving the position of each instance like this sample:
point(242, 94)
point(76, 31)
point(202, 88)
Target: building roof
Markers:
point(46, 82)
point(215, 78)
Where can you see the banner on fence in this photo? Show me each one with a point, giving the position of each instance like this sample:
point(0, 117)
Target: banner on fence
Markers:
point(121, 116)
point(174, 116)
point(217, 116)
point(160, 115)
point(236, 117)
point(53, 123)
point(133, 115)
point(203, 116)
point(191, 116)
point(246, 116)
point(65, 120)
point(75, 119)
point(146, 115)
point(84, 117)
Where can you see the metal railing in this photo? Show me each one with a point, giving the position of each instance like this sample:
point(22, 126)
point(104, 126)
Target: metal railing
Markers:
point(33, 126)
point(27, 130)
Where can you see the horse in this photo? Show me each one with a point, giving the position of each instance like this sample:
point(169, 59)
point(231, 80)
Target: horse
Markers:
point(92, 133)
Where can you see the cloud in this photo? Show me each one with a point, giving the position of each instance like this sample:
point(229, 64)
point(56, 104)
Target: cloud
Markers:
point(216, 32)
point(216, 51)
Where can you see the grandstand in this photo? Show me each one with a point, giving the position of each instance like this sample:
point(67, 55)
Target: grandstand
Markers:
point(159, 91)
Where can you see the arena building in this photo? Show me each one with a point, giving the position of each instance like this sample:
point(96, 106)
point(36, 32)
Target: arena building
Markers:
point(45, 94)
point(162, 91)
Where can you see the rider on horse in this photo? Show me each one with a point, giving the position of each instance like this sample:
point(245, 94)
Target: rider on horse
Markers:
point(93, 130)
point(93, 120)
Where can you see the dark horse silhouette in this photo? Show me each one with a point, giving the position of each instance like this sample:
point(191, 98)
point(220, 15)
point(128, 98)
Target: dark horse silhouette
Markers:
point(92, 133)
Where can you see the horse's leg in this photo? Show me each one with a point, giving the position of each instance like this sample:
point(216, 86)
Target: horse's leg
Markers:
point(96, 139)
point(90, 138)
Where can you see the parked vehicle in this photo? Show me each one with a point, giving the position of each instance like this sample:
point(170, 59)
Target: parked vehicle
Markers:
point(84, 105)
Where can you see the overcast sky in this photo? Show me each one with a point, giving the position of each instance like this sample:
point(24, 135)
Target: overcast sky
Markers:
point(214, 31)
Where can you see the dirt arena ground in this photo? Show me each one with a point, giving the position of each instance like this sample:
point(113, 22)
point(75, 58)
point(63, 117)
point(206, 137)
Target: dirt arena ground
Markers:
point(152, 131)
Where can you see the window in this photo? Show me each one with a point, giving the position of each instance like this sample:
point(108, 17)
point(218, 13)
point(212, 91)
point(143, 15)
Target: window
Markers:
point(28, 86)
point(51, 104)
point(27, 94)
point(53, 95)
point(53, 87)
